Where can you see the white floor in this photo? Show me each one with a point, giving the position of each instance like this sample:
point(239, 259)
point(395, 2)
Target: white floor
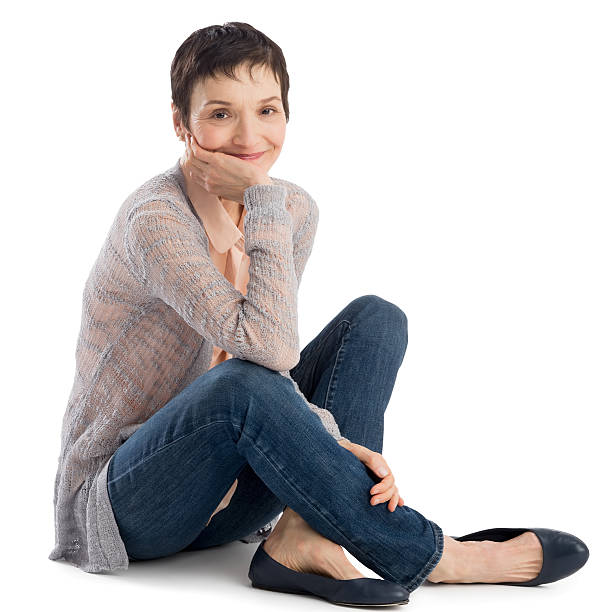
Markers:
point(218, 577)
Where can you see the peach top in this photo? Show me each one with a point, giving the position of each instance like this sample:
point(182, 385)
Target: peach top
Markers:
point(226, 242)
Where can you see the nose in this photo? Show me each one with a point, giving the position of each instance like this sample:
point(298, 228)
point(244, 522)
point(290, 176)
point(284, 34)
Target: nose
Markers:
point(247, 134)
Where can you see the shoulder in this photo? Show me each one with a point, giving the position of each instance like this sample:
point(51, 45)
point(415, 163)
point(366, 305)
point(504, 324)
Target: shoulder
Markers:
point(163, 186)
point(160, 198)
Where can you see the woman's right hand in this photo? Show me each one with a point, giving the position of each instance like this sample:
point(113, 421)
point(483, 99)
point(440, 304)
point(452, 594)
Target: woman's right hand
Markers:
point(384, 490)
point(221, 174)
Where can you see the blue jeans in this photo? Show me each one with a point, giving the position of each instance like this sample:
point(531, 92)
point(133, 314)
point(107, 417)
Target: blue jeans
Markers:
point(242, 420)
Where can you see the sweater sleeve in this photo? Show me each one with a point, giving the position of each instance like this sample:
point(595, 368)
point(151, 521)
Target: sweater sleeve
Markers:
point(303, 241)
point(304, 235)
point(169, 254)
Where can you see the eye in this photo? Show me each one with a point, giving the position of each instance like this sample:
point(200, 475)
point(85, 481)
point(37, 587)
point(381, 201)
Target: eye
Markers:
point(222, 112)
point(219, 113)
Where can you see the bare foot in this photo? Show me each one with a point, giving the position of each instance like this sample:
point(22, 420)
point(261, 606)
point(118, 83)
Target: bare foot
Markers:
point(456, 563)
point(225, 501)
point(296, 545)
point(526, 554)
point(516, 560)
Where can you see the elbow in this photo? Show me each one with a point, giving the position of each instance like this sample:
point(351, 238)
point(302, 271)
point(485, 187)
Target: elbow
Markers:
point(284, 353)
point(279, 362)
point(274, 351)
point(282, 365)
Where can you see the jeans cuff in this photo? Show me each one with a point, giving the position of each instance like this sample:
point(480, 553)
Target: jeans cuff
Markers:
point(433, 560)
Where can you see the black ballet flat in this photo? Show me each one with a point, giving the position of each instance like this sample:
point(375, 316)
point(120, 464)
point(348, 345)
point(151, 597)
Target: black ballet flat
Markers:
point(266, 573)
point(564, 553)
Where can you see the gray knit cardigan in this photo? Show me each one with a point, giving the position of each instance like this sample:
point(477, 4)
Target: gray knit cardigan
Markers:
point(154, 305)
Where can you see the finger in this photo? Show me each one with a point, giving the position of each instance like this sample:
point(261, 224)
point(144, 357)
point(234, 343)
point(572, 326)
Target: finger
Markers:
point(401, 501)
point(383, 497)
point(362, 453)
point(380, 467)
point(194, 162)
point(375, 462)
point(193, 145)
point(393, 503)
point(383, 485)
point(203, 154)
point(198, 168)
point(189, 145)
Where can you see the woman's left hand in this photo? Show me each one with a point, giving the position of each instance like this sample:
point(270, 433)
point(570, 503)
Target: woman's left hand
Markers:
point(386, 489)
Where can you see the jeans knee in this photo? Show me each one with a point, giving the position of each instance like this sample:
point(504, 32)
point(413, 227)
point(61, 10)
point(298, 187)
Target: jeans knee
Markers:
point(381, 316)
point(237, 381)
point(242, 374)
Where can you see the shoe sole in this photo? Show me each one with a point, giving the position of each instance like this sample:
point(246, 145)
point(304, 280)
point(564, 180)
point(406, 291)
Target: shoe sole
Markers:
point(340, 603)
point(268, 574)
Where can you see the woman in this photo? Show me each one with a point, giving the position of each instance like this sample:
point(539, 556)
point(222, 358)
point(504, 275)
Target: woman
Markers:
point(195, 420)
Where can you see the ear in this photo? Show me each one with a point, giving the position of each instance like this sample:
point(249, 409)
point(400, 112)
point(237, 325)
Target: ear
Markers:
point(179, 128)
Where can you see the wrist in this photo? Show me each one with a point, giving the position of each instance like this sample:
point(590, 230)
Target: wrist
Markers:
point(264, 180)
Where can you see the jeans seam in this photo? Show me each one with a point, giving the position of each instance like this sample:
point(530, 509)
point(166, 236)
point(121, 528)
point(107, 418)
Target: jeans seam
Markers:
point(373, 559)
point(433, 560)
point(161, 448)
point(331, 387)
point(314, 349)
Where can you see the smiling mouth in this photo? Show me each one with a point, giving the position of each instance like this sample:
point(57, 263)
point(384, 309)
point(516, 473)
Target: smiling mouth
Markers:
point(247, 156)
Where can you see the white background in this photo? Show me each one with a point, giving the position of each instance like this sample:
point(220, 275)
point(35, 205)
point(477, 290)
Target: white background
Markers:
point(460, 155)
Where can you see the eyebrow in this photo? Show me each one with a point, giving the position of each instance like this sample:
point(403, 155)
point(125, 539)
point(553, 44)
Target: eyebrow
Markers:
point(229, 103)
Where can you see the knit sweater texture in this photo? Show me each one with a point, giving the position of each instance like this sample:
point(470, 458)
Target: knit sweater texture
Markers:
point(153, 307)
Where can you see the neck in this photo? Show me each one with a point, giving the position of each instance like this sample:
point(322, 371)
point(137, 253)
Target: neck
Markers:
point(197, 193)
point(198, 196)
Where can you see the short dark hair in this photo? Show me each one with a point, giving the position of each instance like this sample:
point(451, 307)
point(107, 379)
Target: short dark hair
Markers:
point(220, 49)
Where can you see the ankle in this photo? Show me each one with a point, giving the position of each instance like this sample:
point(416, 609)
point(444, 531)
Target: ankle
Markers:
point(289, 523)
point(457, 564)
point(291, 516)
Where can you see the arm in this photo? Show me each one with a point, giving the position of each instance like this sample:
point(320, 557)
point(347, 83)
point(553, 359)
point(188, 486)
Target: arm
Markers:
point(169, 254)
point(303, 238)
point(303, 241)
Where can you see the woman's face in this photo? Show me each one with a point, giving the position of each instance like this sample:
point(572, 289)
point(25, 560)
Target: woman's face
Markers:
point(250, 118)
